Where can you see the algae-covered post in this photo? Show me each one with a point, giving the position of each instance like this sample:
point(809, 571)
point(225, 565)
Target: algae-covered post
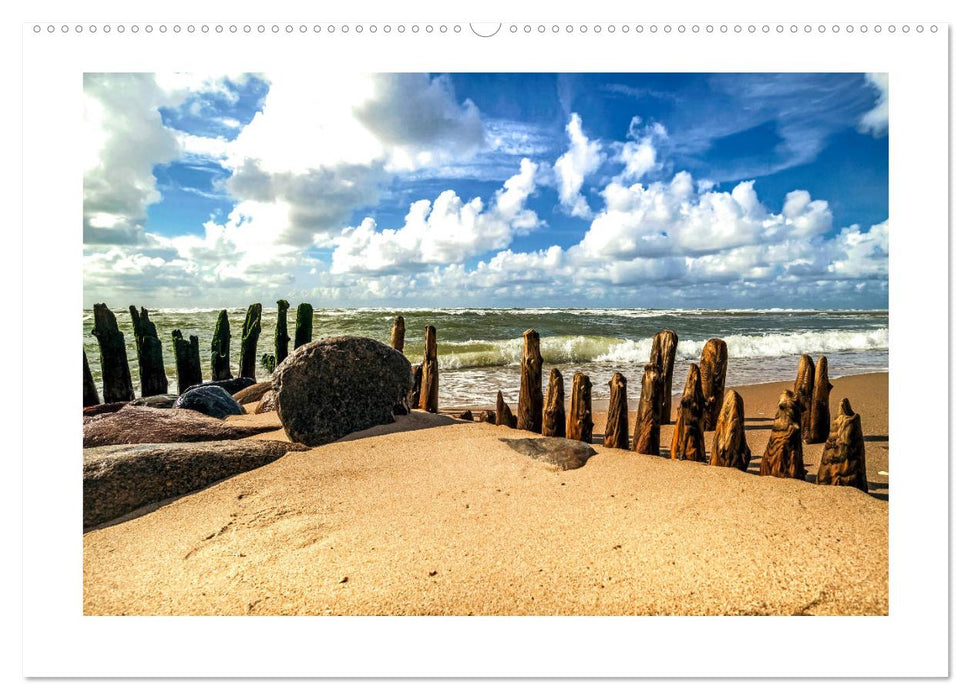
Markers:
point(281, 339)
point(728, 445)
point(250, 337)
point(398, 334)
point(219, 360)
point(663, 350)
point(428, 401)
point(554, 415)
point(416, 385)
point(188, 366)
point(90, 390)
point(688, 439)
point(803, 390)
point(503, 415)
point(843, 462)
point(713, 366)
point(783, 453)
point(616, 433)
point(151, 366)
point(579, 424)
point(819, 411)
point(304, 330)
point(115, 375)
point(530, 413)
point(647, 429)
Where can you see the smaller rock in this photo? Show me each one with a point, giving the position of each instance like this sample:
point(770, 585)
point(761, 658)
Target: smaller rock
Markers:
point(141, 424)
point(487, 417)
point(210, 401)
point(232, 386)
point(563, 454)
point(157, 401)
point(267, 403)
point(102, 408)
point(466, 415)
point(252, 393)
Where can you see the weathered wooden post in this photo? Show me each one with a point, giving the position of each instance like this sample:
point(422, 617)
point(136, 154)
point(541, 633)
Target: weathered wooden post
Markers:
point(503, 415)
point(819, 418)
point(188, 366)
point(783, 453)
point(579, 425)
point(304, 329)
point(282, 339)
point(728, 446)
point(429, 373)
point(530, 413)
point(115, 374)
point(663, 350)
point(647, 429)
point(616, 433)
point(843, 462)
point(90, 390)
point(554, 415)
point(416, 385)
point(219, 359)
point(714, 367)
point(248, 341)
point(151, 366)
point(268, 362)
point(398, 334)
point(803, 389)
point(688, 439)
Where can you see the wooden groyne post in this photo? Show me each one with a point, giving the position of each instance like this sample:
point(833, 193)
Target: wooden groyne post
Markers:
point(428, 400)
point(803, 390)
point(90, 390)
point(714, 367)
point(663, 350)
point(530, 413)
point(281, 338)
point(579, 424)
point(688, 439)
point(843, 462)
point(554, 414)
point(250, 337)
point(783, 453)
point(188, 366)
point(616, 434)
point(728, 447)
point(219, 359)
point(304, 330)
point(398, 333)
point(647, 428)
point(819, 413)
point(151, 366)
point(115, 375)
point(504, 416)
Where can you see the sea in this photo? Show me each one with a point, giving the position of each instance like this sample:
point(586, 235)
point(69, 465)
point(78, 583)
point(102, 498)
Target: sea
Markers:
point(479, 349)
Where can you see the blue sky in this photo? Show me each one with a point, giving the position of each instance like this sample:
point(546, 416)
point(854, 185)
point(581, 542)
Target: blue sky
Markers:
point(711, 190)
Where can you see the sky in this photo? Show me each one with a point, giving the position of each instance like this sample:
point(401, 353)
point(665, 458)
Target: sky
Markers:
point(487, 190)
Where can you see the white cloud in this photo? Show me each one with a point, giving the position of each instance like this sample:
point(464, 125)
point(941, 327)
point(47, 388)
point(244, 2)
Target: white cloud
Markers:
point(877, 120)
point(445, 231)
point(639, 155)
point(583, 158)
point(860, 255)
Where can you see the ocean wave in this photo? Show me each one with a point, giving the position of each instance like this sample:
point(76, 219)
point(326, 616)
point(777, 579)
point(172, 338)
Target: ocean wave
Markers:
point(605, 350)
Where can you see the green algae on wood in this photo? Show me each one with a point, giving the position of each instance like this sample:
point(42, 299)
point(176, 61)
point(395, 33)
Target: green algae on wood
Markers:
point(220, 348)
point(251, 335)
point(282, 339)
point(90, 390)
point(151, 366)
point(188, 365)
point(303, 333)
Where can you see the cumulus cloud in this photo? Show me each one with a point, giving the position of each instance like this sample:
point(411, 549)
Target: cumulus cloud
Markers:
point(639, 152)
point(877, 120)
point(583, 158)
point(445, 231)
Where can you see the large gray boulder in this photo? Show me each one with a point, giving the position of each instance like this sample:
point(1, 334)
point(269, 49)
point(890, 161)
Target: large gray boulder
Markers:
point(140, 424)
point(335, 386)
point(121, 478)
point(210, 400)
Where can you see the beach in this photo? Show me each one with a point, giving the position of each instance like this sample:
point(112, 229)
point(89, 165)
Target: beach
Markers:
point(436, 516)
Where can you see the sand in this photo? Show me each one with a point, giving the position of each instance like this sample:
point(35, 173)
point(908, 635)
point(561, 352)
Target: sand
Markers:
point(431, 516)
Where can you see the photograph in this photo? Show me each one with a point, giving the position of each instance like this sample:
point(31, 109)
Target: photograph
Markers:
point(487, 344)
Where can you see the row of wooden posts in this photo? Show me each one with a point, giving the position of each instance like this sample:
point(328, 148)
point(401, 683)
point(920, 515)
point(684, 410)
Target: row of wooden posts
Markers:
point(116, 377)
point(803, 413)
